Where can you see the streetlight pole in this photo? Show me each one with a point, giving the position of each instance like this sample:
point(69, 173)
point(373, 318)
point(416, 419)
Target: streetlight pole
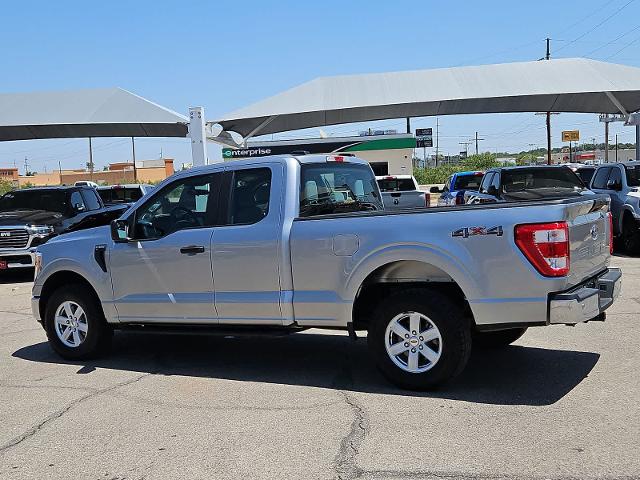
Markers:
point(133, 153)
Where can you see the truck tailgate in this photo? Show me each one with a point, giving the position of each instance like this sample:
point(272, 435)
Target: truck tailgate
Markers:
point(589, 236)
point(407, 199)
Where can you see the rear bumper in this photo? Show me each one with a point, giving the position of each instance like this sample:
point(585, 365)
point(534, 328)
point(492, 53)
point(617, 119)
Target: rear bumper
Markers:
point(586, 302)
point(19, 258)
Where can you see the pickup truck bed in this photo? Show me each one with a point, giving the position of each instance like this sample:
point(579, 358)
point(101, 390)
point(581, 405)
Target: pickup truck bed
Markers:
point(298, 242)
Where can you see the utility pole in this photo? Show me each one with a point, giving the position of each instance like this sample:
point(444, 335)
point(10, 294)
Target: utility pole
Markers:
point(26, 167)
point(60, 170)
point(570, 152)
point(616, 148)
point(637, 142)
point(547, 57)
point(133, 153)
point(466, 147)
point(477, 139)
point(408, 125)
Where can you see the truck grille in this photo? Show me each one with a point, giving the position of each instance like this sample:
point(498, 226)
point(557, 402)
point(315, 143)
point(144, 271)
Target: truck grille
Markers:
point(15, 238)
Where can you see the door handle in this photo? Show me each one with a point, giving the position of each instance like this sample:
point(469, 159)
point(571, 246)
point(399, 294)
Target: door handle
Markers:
point(192, 249)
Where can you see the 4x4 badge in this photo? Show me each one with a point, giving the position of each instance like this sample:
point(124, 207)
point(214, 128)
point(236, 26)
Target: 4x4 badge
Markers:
point(474, 231)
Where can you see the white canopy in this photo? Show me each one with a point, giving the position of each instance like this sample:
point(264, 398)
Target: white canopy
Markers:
point(563, 85)
point(109, 112)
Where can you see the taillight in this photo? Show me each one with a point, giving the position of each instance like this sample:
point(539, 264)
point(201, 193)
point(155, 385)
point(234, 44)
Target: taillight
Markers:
point(427, 200)
point(459, 199)
point(546, 246)
point(610, 233)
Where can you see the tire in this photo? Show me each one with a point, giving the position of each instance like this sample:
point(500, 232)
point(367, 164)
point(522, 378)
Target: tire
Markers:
point(92, 336)
point(630, 235)
point(448, 351)
point(497, 339)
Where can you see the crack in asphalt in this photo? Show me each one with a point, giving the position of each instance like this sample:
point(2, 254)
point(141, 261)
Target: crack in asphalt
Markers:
point(344, 463)
point(59, 413)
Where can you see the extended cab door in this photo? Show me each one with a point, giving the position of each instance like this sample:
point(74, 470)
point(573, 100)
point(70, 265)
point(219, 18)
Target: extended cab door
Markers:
point(164, 273)
point(247, 246)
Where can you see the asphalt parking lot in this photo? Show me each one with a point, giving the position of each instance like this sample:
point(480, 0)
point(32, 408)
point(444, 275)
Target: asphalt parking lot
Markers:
point(563, 402)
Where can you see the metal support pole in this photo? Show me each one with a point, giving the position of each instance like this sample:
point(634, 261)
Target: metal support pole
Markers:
point(133, 154)
point(548, 137)
point(408, 125)
point(570, 152)
point(606, 142)
point(197, 133)
point(90, 159)
point(616, 148)
point(637, 142)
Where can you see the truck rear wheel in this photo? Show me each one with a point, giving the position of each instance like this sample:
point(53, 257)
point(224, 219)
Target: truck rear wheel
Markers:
point(75, 325)
point(419, 338)
point(497, 339)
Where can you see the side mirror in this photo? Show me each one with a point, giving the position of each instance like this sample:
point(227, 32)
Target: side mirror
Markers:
point(78, 207)
point(120, 231)
point(613, 185)
point(435, 190)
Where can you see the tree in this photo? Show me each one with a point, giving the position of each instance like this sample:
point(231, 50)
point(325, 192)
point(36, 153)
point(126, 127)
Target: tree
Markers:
point(6, 186)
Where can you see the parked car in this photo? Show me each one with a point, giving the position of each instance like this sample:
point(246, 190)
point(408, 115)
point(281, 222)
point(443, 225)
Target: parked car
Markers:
point(585, 172)
point(402, 191)
point(118, 194)
point(29, 217)
point(456, 185)
point(517, 184)
point(621, 181)
point(280, 244)
point(85, 183)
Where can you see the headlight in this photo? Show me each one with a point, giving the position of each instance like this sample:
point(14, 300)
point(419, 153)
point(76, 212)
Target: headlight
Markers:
point(40, 230)
point(37, 264)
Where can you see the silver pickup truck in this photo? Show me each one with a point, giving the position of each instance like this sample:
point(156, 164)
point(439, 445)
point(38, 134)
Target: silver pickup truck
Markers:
point(281, 244)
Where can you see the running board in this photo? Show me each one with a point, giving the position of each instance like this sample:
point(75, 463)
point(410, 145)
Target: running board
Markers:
point(216, 330)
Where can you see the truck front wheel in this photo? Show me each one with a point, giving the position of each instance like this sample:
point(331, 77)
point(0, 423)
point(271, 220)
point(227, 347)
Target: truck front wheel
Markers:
point(419, 338)
point(75, 325)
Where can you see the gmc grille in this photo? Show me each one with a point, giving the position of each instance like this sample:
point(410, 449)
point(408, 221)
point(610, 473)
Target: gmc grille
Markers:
point(16, 238)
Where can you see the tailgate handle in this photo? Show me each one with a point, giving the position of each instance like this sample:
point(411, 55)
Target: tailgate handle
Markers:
point(396, 194)
point(192, 249)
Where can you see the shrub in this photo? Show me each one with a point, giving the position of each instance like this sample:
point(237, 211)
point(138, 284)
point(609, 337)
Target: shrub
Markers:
point(439, 174)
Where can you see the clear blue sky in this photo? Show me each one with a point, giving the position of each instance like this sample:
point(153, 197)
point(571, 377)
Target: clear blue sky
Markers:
point(226, 55)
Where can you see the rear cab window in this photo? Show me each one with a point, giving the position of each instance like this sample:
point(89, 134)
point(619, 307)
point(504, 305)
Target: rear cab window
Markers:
point(539, 178)
point(392, 184)
point(334, 187)
point(468, 182)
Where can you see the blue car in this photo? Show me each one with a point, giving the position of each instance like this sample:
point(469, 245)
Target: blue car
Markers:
point(453, 191)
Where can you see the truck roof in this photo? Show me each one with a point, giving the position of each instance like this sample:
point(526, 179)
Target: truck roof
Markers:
point(302, 159)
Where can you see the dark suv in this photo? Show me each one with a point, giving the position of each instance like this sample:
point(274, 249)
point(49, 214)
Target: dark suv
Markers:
point(29, 217)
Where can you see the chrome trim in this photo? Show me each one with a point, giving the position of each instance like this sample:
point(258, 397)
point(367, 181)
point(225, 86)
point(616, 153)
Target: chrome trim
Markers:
point(586, 302)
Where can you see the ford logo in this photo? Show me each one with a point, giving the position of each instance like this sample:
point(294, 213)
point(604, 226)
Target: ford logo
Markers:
point(594, 232)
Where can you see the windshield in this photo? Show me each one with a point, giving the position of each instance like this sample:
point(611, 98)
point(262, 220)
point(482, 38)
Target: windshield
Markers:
point(391, 184)
point(633, 175)
point(49, 200)
point(522, 179)
point(468, 182)
point(333, 187)
point(585, 174)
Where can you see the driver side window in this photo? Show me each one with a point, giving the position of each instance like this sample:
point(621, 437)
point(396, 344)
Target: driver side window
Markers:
point(186, 203)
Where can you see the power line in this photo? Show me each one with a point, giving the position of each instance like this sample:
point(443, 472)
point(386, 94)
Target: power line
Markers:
point(596, 26)
point(612, 41)
point(602, 7)
point(623, 48)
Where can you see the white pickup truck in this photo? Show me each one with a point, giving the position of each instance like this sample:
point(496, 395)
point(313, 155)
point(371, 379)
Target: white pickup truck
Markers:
point(286, 243)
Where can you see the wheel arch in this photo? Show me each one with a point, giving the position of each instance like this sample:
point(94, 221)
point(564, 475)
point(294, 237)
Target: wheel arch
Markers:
point(59, 279)
point(401, 274)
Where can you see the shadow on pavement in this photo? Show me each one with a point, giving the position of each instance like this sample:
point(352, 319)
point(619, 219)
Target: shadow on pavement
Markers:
point(18, 275)
point(516, 375)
